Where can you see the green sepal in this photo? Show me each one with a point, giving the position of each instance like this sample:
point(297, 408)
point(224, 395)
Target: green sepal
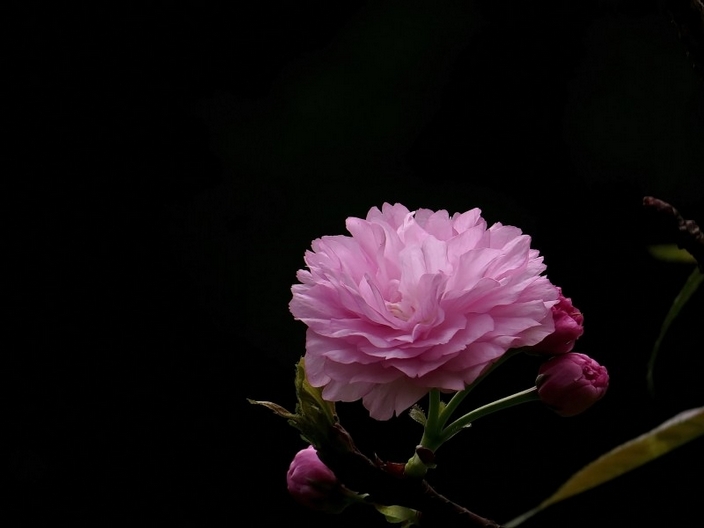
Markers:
point(417, 414)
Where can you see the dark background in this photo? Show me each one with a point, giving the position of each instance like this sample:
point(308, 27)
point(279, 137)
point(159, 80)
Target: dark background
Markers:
point(168, 166)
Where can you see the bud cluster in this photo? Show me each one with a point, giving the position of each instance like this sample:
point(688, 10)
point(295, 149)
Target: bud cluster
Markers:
point(569, 382)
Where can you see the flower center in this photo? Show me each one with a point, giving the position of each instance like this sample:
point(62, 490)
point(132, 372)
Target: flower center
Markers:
point(400, 310)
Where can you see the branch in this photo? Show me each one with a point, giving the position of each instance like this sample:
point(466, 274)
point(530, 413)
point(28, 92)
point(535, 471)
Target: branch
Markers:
point(689, 235)
point(386, 484)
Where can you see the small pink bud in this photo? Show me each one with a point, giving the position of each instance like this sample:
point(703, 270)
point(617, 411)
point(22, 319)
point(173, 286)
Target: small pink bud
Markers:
point(571, 383)
point(569, 327)
point(313, 484)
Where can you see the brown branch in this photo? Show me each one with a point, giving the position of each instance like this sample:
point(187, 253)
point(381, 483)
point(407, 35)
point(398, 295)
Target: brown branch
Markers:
point(689, 235)
point(385, 484)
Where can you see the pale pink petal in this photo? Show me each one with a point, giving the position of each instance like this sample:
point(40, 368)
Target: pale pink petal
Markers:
point(435, 223)
point(435, 255)
point(461, 222)
point(394, 215)
point(347, 391)
point(386, 399)
point(471, 267)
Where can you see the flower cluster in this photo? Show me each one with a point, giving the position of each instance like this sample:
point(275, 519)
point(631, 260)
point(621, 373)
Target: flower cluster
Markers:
point(412, 301)
point(568, 382)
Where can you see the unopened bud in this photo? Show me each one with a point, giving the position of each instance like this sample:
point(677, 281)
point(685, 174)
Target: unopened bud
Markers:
point(569, 323)
point(571, 383)
point(313, 484)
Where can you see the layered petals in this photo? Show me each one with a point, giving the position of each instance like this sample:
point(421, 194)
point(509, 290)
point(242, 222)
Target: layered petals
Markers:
point(412, 301)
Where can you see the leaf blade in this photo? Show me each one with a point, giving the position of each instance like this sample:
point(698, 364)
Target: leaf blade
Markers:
point(690, 286)
point(678, 430)
point(671, 253)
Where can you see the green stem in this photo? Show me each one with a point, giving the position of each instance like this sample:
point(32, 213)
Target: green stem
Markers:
point(453, 404)
point(434, 432)
point(459, 396)
point(415, 467)
point(498, 405)
point(431, 423)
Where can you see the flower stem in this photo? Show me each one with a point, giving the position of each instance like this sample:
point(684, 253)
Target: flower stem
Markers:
point(435, 433)
point(498, 405)
point(431, 437)
point(459, 396)
point(453, 404)
point(433, 410)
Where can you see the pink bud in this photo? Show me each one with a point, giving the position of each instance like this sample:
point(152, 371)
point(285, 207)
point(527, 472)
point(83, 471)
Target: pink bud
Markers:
point(313, 484)
point(571, 383)
point(568, 327)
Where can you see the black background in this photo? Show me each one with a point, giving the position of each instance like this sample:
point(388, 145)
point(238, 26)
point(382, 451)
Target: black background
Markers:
point(168, 166)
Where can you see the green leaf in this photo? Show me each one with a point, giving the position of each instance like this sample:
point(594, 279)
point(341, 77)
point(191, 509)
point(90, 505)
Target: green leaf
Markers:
point(275, 407)
point(315, 417)
point(671, 253)
point(310, 400)
point(398, 514)
point(690, 286)
point(673, 433)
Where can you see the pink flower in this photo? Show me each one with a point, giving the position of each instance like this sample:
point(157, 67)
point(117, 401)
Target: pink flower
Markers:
point(312, 483)
point(568, 328)
point(417, 300)
point(571, 383)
